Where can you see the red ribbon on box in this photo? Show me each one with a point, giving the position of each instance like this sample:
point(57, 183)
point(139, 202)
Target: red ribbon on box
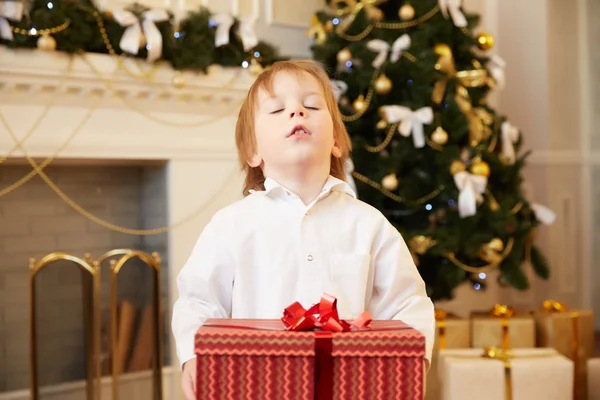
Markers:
point(322, 317)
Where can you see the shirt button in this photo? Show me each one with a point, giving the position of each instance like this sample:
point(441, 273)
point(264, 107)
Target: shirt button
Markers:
point(309, 258)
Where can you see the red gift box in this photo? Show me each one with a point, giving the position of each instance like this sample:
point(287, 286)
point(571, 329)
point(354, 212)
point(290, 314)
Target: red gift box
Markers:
point(261, 359)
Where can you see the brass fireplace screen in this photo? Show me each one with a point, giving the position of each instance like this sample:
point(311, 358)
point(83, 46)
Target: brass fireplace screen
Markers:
point(90, 280)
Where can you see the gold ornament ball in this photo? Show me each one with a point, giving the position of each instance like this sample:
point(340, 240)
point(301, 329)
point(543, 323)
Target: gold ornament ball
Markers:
point(496, 244)
point(457, 166)
point(406, 12)
point(344, 55)
point(46, 43)
point(480, 168)
point(390, 182)
point(360, 105)
point(383, 84)
point(440, 136)
point(178, 80)
point(485, 41)
point(381, 124)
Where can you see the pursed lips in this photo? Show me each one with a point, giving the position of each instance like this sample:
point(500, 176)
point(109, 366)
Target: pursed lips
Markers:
point(299, 130)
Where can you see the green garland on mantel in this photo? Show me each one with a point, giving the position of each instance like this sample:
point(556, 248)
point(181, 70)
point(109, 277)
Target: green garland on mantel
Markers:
point(188, 46)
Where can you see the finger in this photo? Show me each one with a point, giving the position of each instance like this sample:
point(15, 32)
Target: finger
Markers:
point(188, 388)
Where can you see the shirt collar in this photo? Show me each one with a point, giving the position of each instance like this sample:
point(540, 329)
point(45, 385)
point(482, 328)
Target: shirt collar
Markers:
point(332, 184)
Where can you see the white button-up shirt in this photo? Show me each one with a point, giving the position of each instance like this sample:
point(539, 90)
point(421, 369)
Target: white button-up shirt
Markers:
point(268, 250)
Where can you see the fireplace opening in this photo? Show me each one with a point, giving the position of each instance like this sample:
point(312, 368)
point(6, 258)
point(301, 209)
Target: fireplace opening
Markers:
point(34, 222)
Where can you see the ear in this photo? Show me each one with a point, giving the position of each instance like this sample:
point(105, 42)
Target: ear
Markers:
point(255, 160)
point(336, 151)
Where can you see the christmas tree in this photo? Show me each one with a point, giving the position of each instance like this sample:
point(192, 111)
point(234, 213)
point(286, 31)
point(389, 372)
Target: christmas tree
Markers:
point(412, 81)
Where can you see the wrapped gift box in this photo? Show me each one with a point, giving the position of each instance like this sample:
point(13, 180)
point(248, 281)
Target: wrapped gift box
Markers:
point(452, 332)
point(571, 333)
point(540, 373)
point(593, 379)
point(502, 327)
point(259, 359)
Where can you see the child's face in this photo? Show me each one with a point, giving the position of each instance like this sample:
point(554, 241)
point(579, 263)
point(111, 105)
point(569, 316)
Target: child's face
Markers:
point(293, 127)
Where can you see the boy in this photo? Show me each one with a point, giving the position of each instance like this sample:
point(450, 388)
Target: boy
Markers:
point(299, 231)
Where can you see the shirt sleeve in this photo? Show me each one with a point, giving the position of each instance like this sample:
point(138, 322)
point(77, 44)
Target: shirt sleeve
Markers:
point(398, 289)
point(205, 286)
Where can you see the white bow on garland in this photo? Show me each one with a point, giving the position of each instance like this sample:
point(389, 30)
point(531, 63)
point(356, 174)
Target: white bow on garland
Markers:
point(130, 41)
point(383, 47)
point(457, 15)
point(246, 30)
point(339, 88)
point(471, 188)
point(410, 121)
point(496, 67)
point(12, 10)
point(543, 214)
point(509, 136)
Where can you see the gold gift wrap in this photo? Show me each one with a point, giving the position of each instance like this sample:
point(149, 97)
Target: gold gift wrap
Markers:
point(571, 333)
point(593, 379)
point(451, 332)
point(497, 374)
point(502, 327)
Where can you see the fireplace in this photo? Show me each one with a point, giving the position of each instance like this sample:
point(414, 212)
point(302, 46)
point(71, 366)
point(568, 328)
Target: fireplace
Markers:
point(139, 154)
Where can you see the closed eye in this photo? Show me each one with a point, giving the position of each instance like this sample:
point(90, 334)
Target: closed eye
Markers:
point(276, 111)
point(312, 108)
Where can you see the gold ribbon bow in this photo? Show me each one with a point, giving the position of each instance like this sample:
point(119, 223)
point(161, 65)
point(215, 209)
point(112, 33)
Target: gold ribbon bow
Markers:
point(478, 118)
point(553, 306)
point(318, 30)
point(505, 312)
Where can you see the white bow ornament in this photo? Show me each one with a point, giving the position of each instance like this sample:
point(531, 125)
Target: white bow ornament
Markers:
point(410, 121)
point(400, 44)
point(245, 30)
point(543, 214)
point(12, 10)
point(339, 88)
point(471, 188)
point(509, 135)
point(496, 67)
point(349, 169)
point(130, 41)
point(457, 15)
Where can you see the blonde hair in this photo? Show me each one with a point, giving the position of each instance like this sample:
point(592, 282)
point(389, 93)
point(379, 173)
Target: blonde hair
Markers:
point(245, 136)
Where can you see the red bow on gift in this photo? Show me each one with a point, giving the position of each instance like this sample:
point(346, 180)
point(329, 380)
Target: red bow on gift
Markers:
point(323, 315)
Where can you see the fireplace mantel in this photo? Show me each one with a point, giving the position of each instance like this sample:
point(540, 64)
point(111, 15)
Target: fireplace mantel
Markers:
point(134, 116)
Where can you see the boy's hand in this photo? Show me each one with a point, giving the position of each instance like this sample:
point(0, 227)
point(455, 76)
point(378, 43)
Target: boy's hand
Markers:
point(188, 379)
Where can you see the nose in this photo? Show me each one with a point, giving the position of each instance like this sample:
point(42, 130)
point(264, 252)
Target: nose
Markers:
point(297, 111)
